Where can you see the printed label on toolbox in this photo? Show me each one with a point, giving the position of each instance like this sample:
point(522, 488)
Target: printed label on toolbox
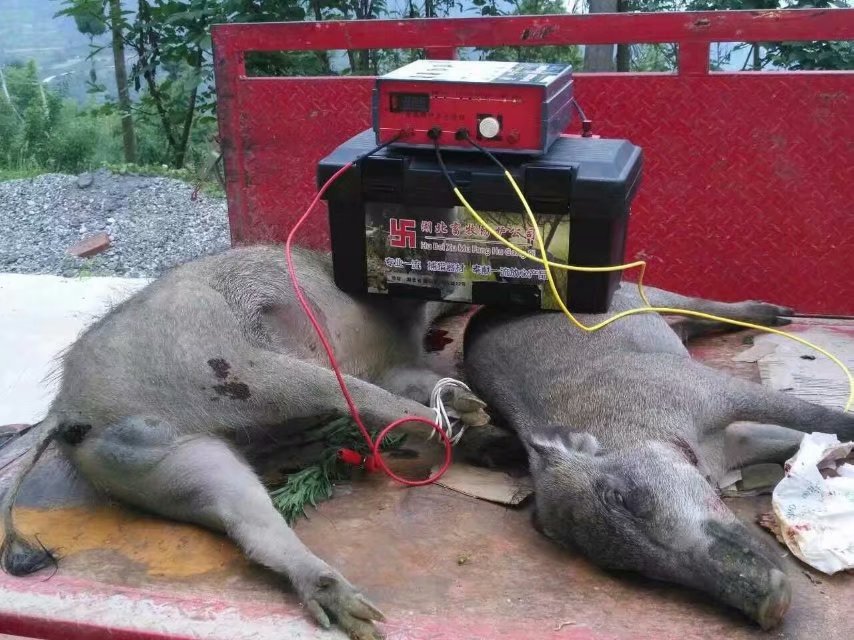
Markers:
point(444, 253)
point(478, 71)
point(531, 73)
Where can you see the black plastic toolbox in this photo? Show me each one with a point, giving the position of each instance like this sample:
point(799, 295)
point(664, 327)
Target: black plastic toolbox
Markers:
point(398, 229)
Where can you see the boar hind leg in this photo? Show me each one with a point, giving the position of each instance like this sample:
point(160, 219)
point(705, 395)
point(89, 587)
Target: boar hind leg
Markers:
point(751, 311)
point(688, 328)
point(751, 402)
point(200, 479)
point(750, 443)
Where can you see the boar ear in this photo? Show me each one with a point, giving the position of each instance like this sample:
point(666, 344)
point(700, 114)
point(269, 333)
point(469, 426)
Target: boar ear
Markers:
point(552, 444)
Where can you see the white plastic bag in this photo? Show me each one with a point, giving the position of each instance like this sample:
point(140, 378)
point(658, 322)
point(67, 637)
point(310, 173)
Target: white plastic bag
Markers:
point(816, 514)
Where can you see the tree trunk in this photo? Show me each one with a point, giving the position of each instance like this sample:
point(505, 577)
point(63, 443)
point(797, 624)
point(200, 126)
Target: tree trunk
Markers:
point(360, 63)
point(322, 55)
point(7, 96)
point(128, 138)
point(181, 153)
point(600, 57)
point(624, 57)
point(364, 62)
point(624, 52)
point(147, 51)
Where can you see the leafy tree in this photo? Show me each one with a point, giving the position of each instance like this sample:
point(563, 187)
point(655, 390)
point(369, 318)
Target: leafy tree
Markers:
point(811, 56)
point(90, 18)
point(37, 129)
point(362, 62)
point(786, 55)
point(567, 54)
point(170, 44)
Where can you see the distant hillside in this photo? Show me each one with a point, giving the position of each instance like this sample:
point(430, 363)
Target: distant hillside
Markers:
point(28, 31)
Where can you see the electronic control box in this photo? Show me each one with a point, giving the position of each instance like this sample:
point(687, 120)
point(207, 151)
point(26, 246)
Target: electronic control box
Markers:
point(511, 107)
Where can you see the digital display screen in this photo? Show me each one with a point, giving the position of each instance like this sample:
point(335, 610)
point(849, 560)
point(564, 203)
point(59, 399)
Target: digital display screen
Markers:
point(412, 102)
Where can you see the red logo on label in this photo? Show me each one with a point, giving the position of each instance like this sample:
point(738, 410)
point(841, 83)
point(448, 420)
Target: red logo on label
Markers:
point(401, 233)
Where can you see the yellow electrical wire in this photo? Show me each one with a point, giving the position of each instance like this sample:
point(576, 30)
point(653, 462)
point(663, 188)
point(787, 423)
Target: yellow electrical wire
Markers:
point(642, 266)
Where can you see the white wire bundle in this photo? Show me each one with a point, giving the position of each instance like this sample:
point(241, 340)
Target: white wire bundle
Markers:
point(447, 421)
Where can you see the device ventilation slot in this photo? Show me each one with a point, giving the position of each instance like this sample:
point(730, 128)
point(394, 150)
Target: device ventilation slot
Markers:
point(380, 188)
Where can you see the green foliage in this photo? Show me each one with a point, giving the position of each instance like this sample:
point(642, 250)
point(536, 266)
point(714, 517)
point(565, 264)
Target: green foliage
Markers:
point(19, 173)
point(38, 129)
point(276, 63)
point(90, 16)
point(288, 63)
point(10, 134)
point(173, 73)
point(72, 145)
point(41, 131)
point(314, 483)
point(828, 56)
point(652, 57)
point(812, 56)
point(566, 54)
point(308, 486)
point(22, 81)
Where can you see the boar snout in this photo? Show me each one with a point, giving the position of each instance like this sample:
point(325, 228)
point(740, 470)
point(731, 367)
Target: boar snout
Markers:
point(742, 574)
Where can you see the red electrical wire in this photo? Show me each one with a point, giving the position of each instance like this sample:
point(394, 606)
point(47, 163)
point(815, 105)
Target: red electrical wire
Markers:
point(374, 460)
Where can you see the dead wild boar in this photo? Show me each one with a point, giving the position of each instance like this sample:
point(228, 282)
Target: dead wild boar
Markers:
point(627, 437)
point(158, 398)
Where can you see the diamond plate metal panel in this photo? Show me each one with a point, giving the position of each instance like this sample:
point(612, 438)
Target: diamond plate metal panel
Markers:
point(748, 187)
point(301, 121)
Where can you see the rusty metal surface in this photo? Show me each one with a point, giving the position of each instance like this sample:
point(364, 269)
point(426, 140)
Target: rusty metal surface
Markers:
point(441, 565)
point(748, 183)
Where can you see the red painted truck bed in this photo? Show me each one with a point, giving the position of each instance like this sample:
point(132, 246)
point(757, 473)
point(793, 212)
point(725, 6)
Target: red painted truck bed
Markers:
point(747, 185)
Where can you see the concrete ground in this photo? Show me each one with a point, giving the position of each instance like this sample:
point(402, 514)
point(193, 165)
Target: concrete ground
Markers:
point(441, 565)
point(39, 316)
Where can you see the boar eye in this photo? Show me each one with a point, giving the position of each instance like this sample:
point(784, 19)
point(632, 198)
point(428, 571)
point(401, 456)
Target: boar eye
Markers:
point(629, 502)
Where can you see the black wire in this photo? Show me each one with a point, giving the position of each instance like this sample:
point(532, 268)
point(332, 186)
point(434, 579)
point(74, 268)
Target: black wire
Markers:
point(378, 148)
point(483, 150)
point(488, 154)
point(442, 165)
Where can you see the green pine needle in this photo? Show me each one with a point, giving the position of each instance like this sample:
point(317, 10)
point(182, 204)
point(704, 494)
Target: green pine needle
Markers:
point(314, 483)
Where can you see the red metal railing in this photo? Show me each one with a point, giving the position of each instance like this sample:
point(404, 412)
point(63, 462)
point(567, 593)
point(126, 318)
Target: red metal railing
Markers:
point(748, 185)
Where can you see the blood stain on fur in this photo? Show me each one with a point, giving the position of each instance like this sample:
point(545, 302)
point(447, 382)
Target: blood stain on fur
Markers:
point(436, 339)
point(233, 390)
point(220, 367)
